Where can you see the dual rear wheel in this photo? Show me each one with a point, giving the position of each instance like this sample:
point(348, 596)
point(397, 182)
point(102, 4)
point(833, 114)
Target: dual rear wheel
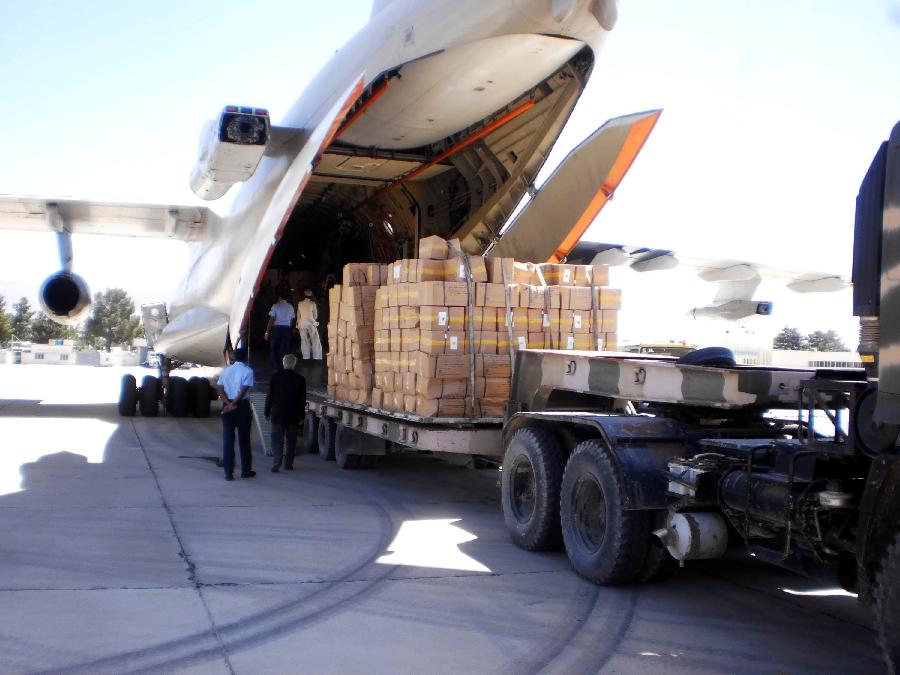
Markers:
point(579, 502)
point(182, 397)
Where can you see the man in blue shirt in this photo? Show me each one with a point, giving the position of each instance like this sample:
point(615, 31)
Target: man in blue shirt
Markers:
point(234, 383)
point(279, 328)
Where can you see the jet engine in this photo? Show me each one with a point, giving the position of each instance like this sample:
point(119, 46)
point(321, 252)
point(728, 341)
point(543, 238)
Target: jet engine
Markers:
point(231, 147)
point(734, 310)
point(65, 298)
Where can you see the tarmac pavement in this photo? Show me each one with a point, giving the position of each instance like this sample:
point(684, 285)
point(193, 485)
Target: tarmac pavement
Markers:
point(124, 550)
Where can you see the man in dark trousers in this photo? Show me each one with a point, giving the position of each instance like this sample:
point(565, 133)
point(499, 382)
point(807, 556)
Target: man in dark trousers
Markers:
point(234, 383)
point(285, 408)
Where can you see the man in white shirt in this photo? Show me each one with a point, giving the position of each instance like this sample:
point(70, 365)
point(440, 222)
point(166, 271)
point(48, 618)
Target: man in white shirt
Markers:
point(278, 331)
point(233, 385)
point(308, 313)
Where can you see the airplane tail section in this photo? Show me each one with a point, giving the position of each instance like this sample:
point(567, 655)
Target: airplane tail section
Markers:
point(378, 5)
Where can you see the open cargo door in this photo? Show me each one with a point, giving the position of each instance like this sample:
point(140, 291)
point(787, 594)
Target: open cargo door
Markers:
point(557, 216)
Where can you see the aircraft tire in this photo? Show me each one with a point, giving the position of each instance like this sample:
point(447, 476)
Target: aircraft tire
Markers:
point(887, 606)
point(311, 432)
point(605, 543)
point(711, 357)
point(327, 433)
point(149, 396)
point(177, 397)
point(529, 485)
point(200, 396)
point(128, 396)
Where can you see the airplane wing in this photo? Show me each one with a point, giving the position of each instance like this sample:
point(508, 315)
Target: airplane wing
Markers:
point(736, 280)
point(186, 223)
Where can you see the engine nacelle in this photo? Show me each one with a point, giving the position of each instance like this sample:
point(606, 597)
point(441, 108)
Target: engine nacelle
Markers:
point(231, 147)
point(733, 310)
point(65, 298)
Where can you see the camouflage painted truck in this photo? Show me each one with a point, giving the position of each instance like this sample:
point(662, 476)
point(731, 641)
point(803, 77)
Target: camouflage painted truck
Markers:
point(639, 463)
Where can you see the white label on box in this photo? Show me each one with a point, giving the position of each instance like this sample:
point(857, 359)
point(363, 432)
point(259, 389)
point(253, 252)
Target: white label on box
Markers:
point(523, 344)
point(576, 320)
point(454, 342)
point(567, 276)
point(442, 318)
point(570, 342)
point(397, 271)
point(546, 322)
point(462, 271)
point(599, 344)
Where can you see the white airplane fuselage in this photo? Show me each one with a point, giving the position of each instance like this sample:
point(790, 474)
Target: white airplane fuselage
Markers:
point(461, 60)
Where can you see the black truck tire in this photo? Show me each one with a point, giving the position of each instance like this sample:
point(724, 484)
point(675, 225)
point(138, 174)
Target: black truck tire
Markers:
point(887, 606)
point(311, 432)
point(605, 543)
point(529, 484)
point(149, 397)
point(346, 444)
point(128, 396)
point(177, 397)
point(200, 396)
point(327, 432)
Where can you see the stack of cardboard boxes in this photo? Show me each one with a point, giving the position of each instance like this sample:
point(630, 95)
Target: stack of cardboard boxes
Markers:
point(445, 327)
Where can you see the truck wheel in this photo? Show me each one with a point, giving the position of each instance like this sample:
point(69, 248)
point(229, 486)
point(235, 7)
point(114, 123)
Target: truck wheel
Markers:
point(200, 398)
point(530, 480)
point(311, 432)
point(346, 447)
point(128, 396)
point(887, 606)
point(605, 543)
point(149, 398)
point(327, 433)
point(177, 397)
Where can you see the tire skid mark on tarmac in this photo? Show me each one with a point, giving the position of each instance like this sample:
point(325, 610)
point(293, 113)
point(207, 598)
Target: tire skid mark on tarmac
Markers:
point(266, 625)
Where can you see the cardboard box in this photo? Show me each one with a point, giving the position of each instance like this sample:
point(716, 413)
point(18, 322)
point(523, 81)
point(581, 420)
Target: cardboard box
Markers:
point(486, 408)
point(359, 296)
point(409, 383)
point(363, 350)
point(455, 269)
point(609, 298)
point(539, 297)
point(576, 297)
point(428, 387)
point(455, 295)
point(487, 365)
point(457, 342)
point(485, 342)
point(584, 274)
point(381, 297)
point(443, 407)
point(490, 295)
point(520, 340)
point(576, 321)
point(457, 318)
point(397, 401)
point(409, 317)
point(409, 404)
point(393, 294)
point(576, 341)
point(441, 366)
point(431, 293)
point(428, 270)
point(432, 342)
point(363, 274)
point(524, 273)
point(537, 341)
point(500, 270)
point(483, 318)
point(433, 248)
point(503, 341)
point(393, 318)
point(409, 339)
point(434, 318)
point(606, 320)
point(377, 397)
point(396, 340)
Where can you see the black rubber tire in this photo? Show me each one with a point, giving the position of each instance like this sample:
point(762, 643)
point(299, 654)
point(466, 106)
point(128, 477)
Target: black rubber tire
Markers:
point(346, 443)
point(605, 543)
point(711, 357)
point(149, 396)
point(199, 396)
point(327, 432)
point(128, 396)
point(177, 397)
point(529, 489)
point(311, 432)
point(887, 606)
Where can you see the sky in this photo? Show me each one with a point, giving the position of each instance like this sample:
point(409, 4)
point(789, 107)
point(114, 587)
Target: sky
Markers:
point(772, 113)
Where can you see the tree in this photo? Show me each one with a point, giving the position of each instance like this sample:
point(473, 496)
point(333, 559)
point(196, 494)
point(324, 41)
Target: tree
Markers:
point(5, 323)
point(112, 319)
point(826, 341)
point(43, 328)
point(21, 319)
point(790, 338)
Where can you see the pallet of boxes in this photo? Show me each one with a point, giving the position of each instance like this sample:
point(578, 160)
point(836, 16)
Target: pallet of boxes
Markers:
point(436, 336)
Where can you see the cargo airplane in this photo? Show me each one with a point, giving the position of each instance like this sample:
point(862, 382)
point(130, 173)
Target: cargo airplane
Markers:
point(435, 118)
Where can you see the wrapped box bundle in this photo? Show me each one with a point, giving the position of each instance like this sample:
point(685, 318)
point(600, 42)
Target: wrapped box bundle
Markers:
point(436, 335)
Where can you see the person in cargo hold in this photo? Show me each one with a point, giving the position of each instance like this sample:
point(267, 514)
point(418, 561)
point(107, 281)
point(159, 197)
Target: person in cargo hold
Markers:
point(285, 407)
point(278, 331)
point(307, 326)
point(234, 383)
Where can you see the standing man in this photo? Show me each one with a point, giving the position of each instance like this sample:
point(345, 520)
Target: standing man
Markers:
point(234, 383)
point(285, 406)
point(307, 323)
point(278, 330)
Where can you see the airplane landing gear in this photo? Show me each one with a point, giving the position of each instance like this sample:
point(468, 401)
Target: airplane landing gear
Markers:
point(180, 397)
